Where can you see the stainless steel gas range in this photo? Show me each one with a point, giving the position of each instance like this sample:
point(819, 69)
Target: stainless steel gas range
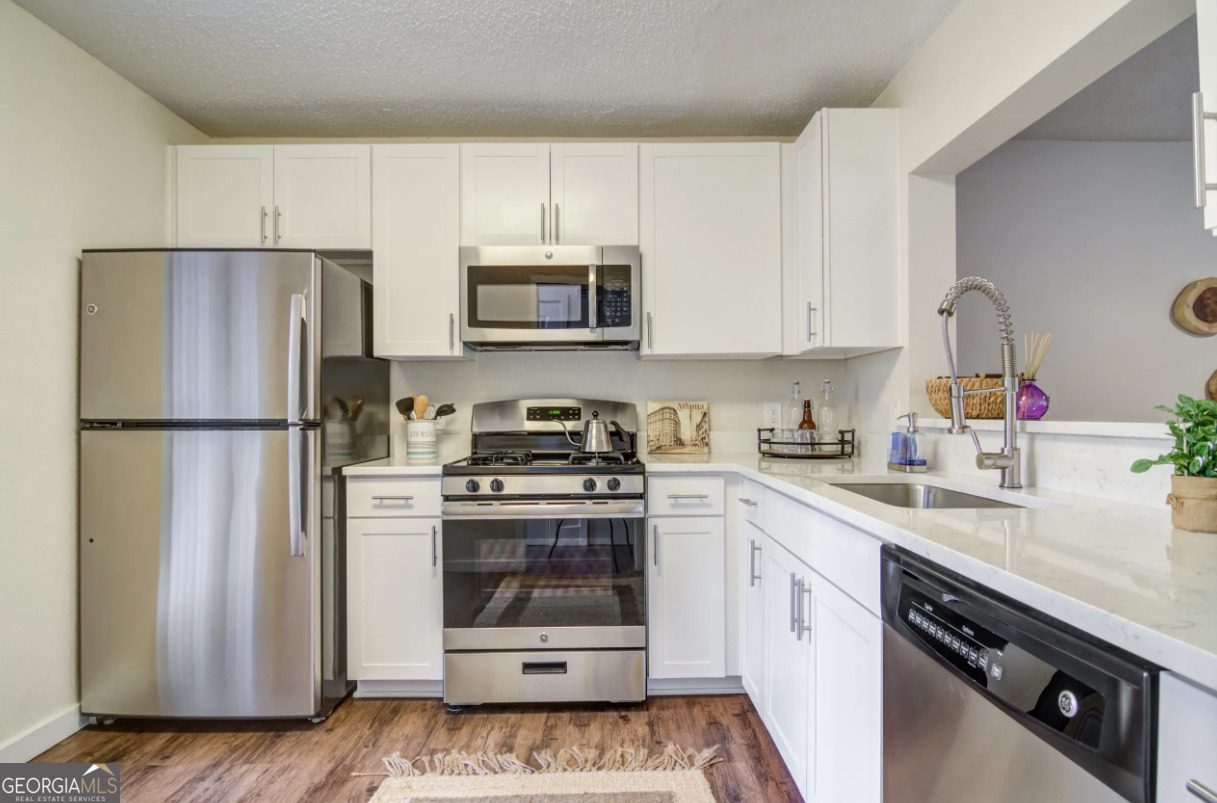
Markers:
point(545, 559)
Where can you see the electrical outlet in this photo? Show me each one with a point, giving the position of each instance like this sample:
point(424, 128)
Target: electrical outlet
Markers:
point(773, 414)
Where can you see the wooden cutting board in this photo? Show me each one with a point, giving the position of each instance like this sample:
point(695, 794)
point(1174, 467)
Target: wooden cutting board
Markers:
point(1196, 307)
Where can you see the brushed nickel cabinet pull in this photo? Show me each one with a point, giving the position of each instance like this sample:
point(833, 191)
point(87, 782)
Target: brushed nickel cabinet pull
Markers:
point(278, 220)
point(434, 547)
point(451, 331)
point(542, 224)
point(264, 225)
point(1199, 115)
point(392, 498)
point(753, 577)
point(655, 544)
point(794, 619)
point(1201, 791)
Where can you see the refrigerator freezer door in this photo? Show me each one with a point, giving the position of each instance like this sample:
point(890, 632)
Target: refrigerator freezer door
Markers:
point(193, 601)
point(198, 336)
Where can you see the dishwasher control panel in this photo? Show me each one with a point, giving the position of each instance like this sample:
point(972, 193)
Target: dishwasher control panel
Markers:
point(943, 623)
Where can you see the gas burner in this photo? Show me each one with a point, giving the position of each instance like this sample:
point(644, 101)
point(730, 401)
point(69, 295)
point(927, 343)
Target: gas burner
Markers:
point(596, 459)
point(522, 457)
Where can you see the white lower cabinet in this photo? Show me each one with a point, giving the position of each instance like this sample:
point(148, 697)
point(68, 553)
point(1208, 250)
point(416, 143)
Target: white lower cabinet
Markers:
point(1187, 741)
point(686, 597)
point(845, 753)
point(788, 681)
point(821, 681)
point(394, 599)
point(752, 626)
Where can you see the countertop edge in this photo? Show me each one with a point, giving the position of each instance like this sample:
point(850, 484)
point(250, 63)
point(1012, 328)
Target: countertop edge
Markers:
point(1187, 660)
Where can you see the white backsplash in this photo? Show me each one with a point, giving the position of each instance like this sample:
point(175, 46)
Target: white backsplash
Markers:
point(1090, 465)
point(736, 389)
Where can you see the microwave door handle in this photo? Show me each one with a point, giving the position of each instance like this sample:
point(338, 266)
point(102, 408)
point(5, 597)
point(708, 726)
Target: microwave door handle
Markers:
point(591, 298)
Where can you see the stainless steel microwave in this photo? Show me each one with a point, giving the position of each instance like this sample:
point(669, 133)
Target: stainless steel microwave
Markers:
point(550, 297)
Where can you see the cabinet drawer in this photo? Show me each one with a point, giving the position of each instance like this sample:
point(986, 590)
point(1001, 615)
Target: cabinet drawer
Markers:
point(845, 556)
point(387, 497)
point(1187, 740)
point(697, 495)
point(752, 503)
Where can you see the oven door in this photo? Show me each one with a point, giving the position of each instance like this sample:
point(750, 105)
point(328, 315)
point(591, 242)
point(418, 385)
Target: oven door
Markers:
point(535, 576)
point(557, 295)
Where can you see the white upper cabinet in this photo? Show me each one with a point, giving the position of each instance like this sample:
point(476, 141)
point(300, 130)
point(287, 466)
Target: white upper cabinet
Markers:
point(416, 241)
point(225, 195)
point(582, 193)
point(274, 196)
point(1206, 28)
point(594, 193)
point(323, 196)
point(505, 193)
point(710, 235)
point(844, 295)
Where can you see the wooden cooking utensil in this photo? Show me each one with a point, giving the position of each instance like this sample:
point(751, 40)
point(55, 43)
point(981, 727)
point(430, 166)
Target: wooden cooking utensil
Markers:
point(420, 406)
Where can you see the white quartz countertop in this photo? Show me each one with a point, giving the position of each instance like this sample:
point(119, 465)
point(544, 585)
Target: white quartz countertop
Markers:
point(400, 466)
point(1119, 572)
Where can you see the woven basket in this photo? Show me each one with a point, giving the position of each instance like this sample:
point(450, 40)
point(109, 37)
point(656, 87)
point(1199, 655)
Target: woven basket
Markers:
point(979, 405)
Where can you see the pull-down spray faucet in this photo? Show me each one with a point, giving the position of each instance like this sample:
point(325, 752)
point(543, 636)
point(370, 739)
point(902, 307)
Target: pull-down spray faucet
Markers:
point(1007, 460)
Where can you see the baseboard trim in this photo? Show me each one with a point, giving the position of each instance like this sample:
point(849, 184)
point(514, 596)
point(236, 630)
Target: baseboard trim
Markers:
point(400, 688)
point(42, 737)
point(664, 687)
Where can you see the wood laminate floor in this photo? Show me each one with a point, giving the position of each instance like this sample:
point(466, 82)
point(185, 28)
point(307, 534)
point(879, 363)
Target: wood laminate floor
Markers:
point(223, 761)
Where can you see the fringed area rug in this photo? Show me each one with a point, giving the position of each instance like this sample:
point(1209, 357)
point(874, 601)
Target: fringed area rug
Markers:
point(572, 775)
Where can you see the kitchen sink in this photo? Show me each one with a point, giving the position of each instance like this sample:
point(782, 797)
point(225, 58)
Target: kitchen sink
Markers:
point(918, 495)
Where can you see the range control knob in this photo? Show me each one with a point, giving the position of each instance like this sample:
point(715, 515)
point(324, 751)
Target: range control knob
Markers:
point(589, 485)
point(472, 486)
point(614, 484)
point(496, 486)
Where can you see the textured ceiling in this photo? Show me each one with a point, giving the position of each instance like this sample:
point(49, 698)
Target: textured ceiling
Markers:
point(1146, 98)
point(328, 68)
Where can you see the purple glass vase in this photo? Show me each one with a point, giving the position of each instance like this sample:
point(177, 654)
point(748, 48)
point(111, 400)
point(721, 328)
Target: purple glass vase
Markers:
point(1032, 402)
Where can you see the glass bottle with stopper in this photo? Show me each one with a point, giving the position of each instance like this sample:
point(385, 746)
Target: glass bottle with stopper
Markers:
point(826, 414)
point(807, 429)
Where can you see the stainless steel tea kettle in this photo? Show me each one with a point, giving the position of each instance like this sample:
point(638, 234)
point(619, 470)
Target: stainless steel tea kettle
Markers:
point(596, 438)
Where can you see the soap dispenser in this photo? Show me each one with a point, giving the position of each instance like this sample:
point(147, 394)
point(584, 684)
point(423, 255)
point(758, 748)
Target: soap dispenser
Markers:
point(908, 450)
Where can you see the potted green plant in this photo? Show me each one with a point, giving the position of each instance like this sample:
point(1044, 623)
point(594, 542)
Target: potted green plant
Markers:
point(1193, 497)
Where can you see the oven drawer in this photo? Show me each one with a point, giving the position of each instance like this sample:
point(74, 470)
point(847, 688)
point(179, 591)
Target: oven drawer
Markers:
point(390, 497)
point(545, 676)
point(695, 495)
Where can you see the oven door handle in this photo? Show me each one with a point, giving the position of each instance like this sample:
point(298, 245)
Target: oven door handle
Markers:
point(632, 508)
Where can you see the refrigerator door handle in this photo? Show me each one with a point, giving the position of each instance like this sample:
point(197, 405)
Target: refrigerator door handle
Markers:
point(295, 348)
point(299, 478)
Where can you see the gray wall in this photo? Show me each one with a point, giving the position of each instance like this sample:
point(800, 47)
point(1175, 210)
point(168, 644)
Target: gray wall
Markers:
point(1091, 241)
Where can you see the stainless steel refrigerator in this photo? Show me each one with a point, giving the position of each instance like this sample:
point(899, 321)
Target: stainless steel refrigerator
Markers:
point(220, 392)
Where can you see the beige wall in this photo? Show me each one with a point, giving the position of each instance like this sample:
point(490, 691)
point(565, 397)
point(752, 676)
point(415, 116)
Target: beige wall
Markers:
point(83, 163)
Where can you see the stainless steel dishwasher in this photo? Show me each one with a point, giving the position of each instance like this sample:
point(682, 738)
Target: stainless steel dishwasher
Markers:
point(986, 700)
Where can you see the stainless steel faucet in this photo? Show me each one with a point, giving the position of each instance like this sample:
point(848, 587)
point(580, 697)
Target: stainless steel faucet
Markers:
point(1007, 460)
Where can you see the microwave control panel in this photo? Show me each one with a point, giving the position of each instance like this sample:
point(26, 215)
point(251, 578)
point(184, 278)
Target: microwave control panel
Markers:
point(614, 302)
